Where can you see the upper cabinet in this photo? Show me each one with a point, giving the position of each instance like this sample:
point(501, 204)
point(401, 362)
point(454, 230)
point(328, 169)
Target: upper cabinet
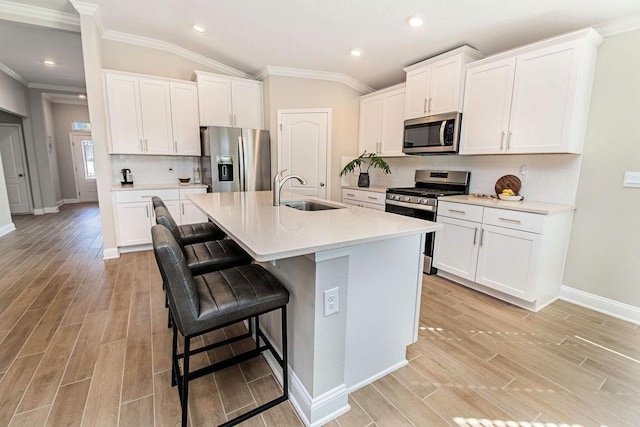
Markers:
point(382, 121)
point(149, 115)
point(533, 99)
point(229, 101)
point(434, 86)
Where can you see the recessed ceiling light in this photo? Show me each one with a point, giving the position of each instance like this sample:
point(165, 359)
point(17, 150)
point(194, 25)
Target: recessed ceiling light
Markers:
point(198, 28)
point(49, 63)
point(81, 96)
point(415, 21)
point(356, 52)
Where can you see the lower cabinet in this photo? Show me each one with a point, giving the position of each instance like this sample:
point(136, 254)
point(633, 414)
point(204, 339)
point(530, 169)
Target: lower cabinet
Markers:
point(135, 216)
point(518, 254)
point(363, 198)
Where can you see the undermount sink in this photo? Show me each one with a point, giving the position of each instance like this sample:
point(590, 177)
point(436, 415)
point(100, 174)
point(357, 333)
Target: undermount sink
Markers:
point(310, 205)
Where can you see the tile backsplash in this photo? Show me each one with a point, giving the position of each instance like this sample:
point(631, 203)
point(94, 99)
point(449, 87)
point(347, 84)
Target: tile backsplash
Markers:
point(551, 178)
point(153, 169)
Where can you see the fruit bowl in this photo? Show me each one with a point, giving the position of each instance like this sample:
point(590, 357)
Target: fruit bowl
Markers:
point(184, 181)
point(509, 198)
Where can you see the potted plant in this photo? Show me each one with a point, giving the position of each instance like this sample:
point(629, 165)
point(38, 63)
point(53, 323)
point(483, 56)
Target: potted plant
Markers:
point(364, 162)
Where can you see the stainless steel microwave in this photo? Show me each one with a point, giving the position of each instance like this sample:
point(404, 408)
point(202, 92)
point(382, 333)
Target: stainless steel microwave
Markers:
point(432, 135)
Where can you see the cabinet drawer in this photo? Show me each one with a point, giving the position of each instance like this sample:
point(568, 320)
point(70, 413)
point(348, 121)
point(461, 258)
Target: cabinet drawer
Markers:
point(516, 220)
point(185, 191)
point(129, 196)
point(363, 196)
point(461, 211)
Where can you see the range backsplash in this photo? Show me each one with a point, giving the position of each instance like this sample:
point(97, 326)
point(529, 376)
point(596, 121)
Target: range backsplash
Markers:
point(153, 169)
point(551, 178)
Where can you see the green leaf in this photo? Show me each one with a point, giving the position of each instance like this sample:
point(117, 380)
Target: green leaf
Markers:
point(369, 160)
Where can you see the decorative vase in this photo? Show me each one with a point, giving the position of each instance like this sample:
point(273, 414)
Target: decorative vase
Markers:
point(363, 179)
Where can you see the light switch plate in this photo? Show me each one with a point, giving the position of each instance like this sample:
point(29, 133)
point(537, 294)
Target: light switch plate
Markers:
point(631, 179)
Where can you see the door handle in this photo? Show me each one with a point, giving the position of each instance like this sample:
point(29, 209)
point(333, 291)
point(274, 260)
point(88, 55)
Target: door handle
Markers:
point(481, 235)
point(429, 106)
point(502, 141)
point(425, 106)
point(509, 140)
point(475, 235)
point(20, 175)
point(322, 184)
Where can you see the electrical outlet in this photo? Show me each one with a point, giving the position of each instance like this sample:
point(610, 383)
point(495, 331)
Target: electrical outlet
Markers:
point(331, 301)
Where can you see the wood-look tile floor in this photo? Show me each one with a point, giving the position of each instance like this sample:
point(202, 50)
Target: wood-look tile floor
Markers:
point(84, 342)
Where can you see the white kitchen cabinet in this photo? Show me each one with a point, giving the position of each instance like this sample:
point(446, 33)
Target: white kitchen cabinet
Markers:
point(149, 115)
point(363, 198)
point(434, 86)
point(134, 213)
point(533, 99)
point(229, 101)
point(382, 122)
point(513, 255)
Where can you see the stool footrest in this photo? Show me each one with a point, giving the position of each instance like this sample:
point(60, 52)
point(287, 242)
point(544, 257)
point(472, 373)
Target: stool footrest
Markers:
point(216, 344)
point(227, 362)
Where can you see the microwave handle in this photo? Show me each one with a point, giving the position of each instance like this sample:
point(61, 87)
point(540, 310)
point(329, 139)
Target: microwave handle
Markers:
point(442, 127)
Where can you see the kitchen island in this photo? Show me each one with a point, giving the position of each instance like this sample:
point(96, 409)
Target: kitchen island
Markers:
point(372, 262)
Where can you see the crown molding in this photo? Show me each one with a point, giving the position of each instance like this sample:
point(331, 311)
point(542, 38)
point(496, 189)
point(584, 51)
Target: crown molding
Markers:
point(345, 79)
point(17, 77)
point(61, 88)
point(172, 48)
point(619, 26)
point(91, 10)
point(12, 11)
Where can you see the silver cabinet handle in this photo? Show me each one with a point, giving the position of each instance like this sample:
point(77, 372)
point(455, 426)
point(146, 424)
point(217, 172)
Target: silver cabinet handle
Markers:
point(141, 145)
point(372, 197)
point(475, 235)
point(351, 194)
point(146, 145)
point(481, 236)
point(424, 109)
point(182, 204)
point(429, 107)
point(147, 207)
point(515, 221)
point(175, 146)
point(509, 140)
point(457, 211)
point(502, 141)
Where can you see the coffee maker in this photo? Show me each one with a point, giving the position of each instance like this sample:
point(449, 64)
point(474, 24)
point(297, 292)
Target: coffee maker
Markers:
point(127, 178)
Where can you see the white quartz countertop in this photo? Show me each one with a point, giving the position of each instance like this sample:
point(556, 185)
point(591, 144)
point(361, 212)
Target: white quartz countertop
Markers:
point(157, 187)
point(523, 205)
point(374, 189)
point(268, 232)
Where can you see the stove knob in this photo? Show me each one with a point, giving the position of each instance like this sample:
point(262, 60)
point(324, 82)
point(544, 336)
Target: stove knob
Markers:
point(424, 201)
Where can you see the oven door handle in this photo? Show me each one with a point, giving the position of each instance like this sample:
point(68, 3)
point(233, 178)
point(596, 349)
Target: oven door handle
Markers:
point(411, 205)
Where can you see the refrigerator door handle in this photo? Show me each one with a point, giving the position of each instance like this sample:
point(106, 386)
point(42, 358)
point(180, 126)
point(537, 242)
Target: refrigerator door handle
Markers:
point(241, 164)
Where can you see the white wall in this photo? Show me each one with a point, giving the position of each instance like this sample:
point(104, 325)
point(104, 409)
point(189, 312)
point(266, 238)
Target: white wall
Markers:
point(13, 96)
point(52, 149)
point(291, 92)
point(603, 252)
point(63, 115)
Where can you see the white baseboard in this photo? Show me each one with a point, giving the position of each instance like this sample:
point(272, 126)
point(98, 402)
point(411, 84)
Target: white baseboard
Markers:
point(134, 248)
point(377, 376)
point(110, 253)
point(6, 229)
point(611, 307)
point(70, 201)
point(53, 209)
point(38, 211)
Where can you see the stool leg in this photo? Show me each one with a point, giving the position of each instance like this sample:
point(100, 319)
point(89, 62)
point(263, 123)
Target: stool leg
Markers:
point(257, 334)
point(185, 382)
point(285, 368)
point(174, 358)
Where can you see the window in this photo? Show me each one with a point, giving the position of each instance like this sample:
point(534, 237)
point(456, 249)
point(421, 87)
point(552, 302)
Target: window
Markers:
point(88, 158)
point(81, 126)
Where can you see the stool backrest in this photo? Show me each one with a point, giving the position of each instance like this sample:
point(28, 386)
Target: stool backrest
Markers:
point(176, 274)
point(163, 217)
point(157, 202)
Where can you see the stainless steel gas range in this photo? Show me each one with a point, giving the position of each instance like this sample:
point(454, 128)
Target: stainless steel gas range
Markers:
point(421, 201)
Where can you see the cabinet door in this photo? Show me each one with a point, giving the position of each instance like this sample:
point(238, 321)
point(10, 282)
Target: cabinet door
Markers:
point(190, 213)
point(370, 124)
point(507, 261)
point(123, 108)
point(173, 206)
point(214, 99)
point(134, 223)
point(444, 89)
point(416, 93)
point(487, 106)
point(456, 247)
point(543, 99)
point(247, 104)
point(155, 101)
point(185, 118)
point(392, 132)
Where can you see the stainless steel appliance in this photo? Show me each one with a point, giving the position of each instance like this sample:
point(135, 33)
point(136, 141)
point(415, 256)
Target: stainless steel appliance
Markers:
point(421, 201)
point(432, 135)
point(235, 159)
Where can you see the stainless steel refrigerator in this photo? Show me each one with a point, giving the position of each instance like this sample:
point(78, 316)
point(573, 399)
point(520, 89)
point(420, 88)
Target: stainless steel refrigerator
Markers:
point(235, 159)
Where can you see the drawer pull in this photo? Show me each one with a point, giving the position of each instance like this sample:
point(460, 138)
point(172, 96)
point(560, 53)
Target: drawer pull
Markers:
point(457, 211)
point(146, 197)
point(515, 221)
point(372, 197)
point(351, 194)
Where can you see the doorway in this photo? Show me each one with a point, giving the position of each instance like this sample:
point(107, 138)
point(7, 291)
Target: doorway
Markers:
point(304, 148)
point(84, 165)
point(15, 168)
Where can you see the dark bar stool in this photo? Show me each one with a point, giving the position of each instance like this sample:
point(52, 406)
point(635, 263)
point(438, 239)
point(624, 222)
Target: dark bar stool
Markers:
point(192, 233)
point(201, 304)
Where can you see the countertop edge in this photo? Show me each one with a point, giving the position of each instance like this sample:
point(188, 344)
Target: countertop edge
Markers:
point(522, 206)
point(158, 187)
point(372, 189)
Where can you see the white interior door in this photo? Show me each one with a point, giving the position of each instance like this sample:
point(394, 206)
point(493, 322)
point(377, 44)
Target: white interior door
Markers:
point(12, 153)
point(303, 149)
point(84, 167)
